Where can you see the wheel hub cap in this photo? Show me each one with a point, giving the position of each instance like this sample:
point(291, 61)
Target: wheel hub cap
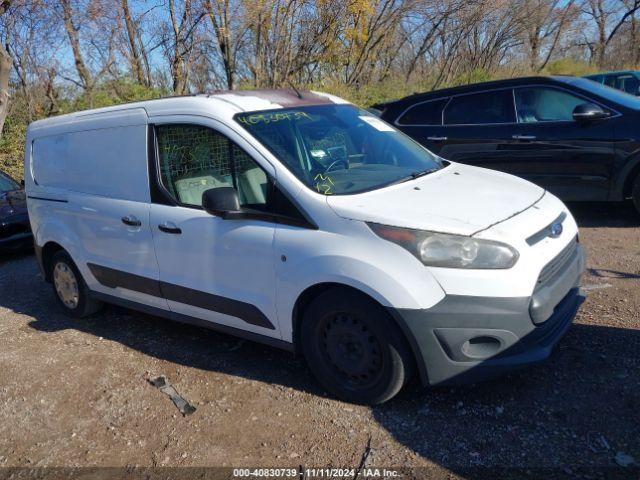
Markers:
point(66, 285)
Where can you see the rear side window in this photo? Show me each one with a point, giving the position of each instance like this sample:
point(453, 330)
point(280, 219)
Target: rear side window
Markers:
point(425, 113)
point(49, 159)
point(481, 108)
point(194, 159)
point(110, 162)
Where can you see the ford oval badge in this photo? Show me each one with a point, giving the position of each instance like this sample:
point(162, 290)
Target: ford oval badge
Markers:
point(556, 230)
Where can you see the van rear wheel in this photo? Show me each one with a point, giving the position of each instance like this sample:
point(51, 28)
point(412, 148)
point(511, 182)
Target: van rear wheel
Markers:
point(354, 348)
point(69, 287)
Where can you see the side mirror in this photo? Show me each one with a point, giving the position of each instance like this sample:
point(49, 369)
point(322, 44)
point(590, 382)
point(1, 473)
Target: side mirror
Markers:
point(22, 183)
point(587, 112)
point(220, 201)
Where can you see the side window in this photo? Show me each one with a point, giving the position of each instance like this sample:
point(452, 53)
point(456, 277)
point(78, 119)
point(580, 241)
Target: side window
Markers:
point(194, 159)
point(628, 83)
point(425, 113)
point(610, 81)
point(540, 104)
point(480, 108)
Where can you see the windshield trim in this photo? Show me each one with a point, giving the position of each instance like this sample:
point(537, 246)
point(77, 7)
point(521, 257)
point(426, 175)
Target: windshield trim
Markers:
point(443, 163)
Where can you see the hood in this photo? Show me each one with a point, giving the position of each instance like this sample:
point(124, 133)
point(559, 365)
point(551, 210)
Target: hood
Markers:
point(12, 202)
point(458, 199)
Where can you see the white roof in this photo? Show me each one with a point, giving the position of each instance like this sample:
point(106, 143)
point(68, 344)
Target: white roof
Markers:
point(222, 105)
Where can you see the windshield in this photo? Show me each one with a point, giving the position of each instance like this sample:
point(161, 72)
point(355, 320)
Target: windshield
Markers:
point(339, 149)
point(617, 96)
point(7, 183)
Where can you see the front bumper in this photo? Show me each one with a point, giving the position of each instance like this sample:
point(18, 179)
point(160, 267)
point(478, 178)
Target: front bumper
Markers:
point(466, 339)
point(15, 233)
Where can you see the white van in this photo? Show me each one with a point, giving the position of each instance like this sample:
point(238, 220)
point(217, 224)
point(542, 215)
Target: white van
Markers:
point(299, 220)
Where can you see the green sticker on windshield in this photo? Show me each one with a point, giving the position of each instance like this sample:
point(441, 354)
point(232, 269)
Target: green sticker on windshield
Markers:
point(324, 184)
point(272, 117)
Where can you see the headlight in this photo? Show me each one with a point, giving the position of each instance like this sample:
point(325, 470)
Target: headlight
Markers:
point(450, 251)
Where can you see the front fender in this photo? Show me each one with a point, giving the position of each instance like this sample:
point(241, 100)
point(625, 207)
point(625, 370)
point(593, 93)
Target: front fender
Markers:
point(415, 289)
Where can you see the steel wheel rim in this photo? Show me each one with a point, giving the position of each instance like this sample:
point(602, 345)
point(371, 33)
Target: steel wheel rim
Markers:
point(66, 285)
point(351, 350)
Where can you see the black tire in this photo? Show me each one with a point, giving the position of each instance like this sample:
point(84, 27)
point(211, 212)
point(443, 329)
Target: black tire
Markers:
point(354, 348)
point(635, 193)
point(85, 305)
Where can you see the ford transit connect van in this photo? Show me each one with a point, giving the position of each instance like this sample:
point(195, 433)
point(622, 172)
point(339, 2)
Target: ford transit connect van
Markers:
point(299, 220)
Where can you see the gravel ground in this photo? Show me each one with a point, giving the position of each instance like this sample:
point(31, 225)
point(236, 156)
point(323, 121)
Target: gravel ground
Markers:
point(77, 393)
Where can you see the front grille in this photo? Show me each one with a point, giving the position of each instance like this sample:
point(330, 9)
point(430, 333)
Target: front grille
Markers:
point(558, 263)
point(546, 231)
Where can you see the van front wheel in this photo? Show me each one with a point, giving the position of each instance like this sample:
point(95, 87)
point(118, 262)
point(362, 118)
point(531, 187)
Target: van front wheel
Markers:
point(69, 287)
point(354, 348)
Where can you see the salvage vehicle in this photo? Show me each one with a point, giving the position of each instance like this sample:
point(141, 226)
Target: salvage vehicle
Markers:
point(299, 220)
point(572, 136)
point(15, 231)
point(625, 80)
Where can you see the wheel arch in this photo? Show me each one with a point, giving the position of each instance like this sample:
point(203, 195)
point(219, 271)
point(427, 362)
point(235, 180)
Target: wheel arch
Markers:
point(629, 179)
point(51, 235)
point(310, 293)
point(623, 181)
point(47, 251)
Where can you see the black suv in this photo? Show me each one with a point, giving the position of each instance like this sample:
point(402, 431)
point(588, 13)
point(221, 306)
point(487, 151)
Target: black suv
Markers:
point(578, 139)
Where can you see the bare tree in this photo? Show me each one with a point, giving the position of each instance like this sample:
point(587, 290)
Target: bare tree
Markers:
point(5, 71)
point(137, 54)
point(424, 25)
point(608, 16)
point(286, 40)
point(208, 44)
point(178, 42)
point(27, 32)
point(369, 27)
point(229, 28)
point(543, 23)
point(72, 29)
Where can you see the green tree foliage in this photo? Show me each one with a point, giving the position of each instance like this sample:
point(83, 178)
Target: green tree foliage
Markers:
point(12, 147)
point(111, 92)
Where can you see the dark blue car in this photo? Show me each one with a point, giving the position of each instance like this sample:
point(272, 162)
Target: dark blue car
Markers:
point(576, 138)
point(625, 80)
point(15, 231)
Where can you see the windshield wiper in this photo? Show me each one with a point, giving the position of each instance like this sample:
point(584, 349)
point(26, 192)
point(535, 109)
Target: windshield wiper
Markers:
point(414, 175)
point(424, 172)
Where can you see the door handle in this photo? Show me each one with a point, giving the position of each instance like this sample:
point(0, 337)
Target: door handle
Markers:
point(524, 137)
point(436, 139)
point(131, 220)
point(169, 227)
